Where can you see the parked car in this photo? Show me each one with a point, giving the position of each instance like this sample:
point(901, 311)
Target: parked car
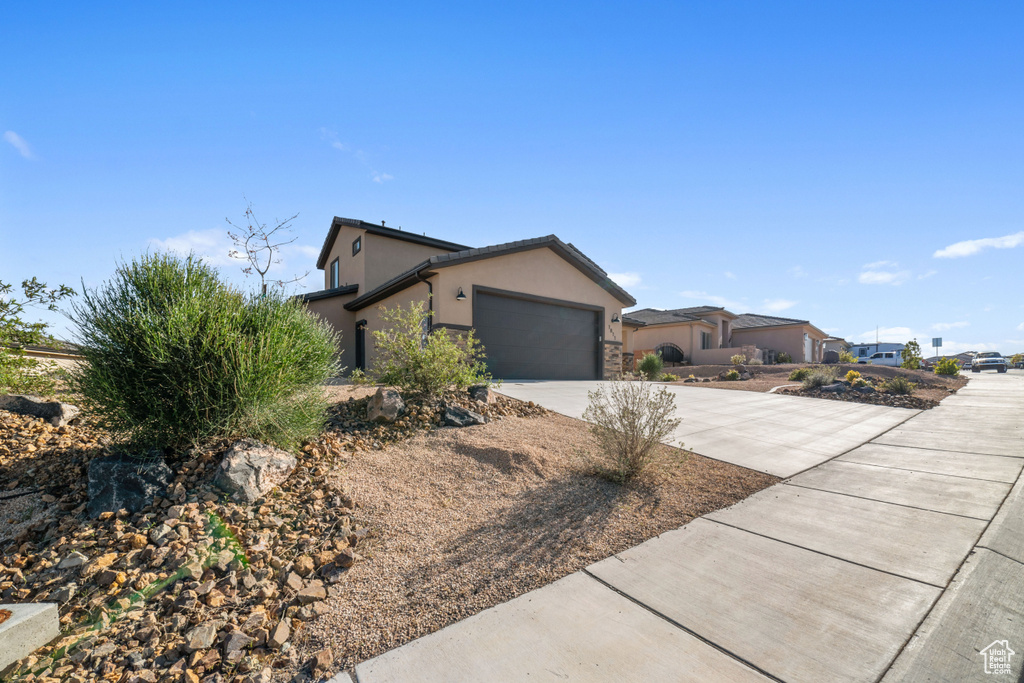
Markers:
point(892, 358)
point(989, 360)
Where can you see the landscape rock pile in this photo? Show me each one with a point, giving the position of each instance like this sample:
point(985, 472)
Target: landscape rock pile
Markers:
point(866, 395)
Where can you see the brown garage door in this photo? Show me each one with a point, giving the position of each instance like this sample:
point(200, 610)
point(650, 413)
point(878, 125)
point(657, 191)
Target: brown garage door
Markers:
point(529, 338)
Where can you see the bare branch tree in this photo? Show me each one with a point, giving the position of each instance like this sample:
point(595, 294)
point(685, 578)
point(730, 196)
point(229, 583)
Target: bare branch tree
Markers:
point(259, 247)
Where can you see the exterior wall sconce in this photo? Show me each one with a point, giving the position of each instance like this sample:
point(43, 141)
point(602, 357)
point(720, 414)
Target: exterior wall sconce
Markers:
point(460, 296)
point(615, 318)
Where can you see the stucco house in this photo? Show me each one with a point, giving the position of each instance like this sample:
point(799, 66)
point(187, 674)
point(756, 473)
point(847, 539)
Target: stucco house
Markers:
point(837, 344)
point(540, 307)
point(711, 335)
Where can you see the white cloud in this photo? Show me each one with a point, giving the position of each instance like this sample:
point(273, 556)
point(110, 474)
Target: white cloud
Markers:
point(305, 251)
point(777, 305)
point(941, 327)
point(212, 245)
point(19, 144)
point(730, 275)
point(1021, 327)
point(971, 247)
point(704, 297)
point(882, 273)
point(626, 280)
point(897, 335)
point(332, 138)
point(925, 276)
point(797, 271)
point(381, 177)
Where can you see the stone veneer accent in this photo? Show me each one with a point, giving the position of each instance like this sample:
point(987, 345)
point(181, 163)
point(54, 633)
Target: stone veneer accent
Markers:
point(612, 360)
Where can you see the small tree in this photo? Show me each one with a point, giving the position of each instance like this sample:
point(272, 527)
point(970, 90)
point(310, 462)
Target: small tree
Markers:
point(425, 362)
point(19, 373)
point(630, 421)
point(846, 357)
point(911, 355)
point(1017, 359)
point(784, 357)
point(259, 247)
point(651, 366)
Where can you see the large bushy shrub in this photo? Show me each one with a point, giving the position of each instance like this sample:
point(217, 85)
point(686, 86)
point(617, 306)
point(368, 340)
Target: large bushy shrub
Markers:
point(818, 378)
point(651, 366)
point(174, 357)
point(799, 374)
point(847, 357)
point(784, 358)
point(947, 366)
point(630, 421)
point(425, 364)
point(899, 385)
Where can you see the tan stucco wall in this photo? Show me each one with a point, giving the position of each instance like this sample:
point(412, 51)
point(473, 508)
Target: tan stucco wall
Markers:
point(540, 272)
point(788, 339)
point(351, 269)
point(684, 335)
point(333, 311)
point(371, 314)
point(627, 338)
point(387, 257)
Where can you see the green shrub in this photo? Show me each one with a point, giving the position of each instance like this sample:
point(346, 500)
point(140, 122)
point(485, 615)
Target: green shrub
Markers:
point(20, 374)
point(852, 376)
point(174, 357)
point(359, 378)
point(651, 366)
point(756, 362)
point(911, 356)
point(818, 378)
point(947, 366)
point(668, 377)
point(630, 421)
point(738, 359)
point(899, 385)
point(425, 365)
point(847, 357)
point(859, 382)
point(783, 358)
point(732, 376)
point(799, 374)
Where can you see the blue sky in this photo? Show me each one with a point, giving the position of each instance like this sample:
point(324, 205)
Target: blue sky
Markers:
point(855, 164)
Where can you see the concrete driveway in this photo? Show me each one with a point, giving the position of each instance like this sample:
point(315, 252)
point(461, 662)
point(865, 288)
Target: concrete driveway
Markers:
point(780, 435)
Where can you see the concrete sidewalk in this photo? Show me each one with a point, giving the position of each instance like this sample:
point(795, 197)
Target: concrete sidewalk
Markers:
point(898, 561)
point(773, 433)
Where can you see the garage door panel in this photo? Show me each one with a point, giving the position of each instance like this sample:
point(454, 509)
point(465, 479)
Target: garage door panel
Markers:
point(526, 339)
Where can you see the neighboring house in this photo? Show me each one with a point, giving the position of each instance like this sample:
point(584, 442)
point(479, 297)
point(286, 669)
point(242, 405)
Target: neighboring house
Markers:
point(540, 307)
point(710, 335)
point(865, 350)
point(837, 344)
point(960, 358)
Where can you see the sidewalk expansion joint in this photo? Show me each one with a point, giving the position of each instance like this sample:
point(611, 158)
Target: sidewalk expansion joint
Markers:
point(887, 502)
point(941, 474)
point(834, 557)
point(696, 635)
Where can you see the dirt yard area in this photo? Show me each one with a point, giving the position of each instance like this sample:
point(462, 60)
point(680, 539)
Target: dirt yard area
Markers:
point(465, 519)
point(930, 387)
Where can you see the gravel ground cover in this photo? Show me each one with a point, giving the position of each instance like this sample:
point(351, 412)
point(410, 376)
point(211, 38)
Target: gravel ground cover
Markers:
point(382, 534)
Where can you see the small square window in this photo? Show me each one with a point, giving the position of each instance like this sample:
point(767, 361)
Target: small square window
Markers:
point(334, 274)
point(357, 245)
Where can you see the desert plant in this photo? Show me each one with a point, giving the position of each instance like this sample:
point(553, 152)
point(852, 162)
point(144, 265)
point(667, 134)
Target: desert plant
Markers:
point(425, 365)
point(911, 356)
point(899, 385)
point(630, 421)
point(947, 366)
point(799, 374)
point(783, 358)
point(732, 376)
point(738, 359)
point(174, 357)
point(1017, 359)
point(19, 373)
point(847, 357)
point(859, 382)
point(818, 378)
point(756, 361)
point(359, 378)
point(669, 377)
point(852, 376)
point(651, 366)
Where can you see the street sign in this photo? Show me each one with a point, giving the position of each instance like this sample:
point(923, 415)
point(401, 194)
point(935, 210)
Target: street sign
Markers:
point(936, 342)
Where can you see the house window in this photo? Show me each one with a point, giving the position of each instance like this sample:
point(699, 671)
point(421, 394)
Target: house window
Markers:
point(334, 274)
point(357, 245)
point(862, 352)
point(705, 340)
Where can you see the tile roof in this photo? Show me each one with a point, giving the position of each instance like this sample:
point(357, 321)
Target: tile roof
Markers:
point(748, 320)
point(655, 316)
point(569, 252)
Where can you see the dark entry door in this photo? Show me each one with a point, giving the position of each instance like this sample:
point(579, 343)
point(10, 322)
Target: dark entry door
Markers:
point(528, 338)
point(361, 345)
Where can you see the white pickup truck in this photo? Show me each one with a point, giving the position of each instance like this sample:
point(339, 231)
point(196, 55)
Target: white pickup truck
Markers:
point(893, 358)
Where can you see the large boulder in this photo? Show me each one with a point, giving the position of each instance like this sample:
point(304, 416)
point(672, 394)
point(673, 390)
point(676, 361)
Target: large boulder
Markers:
point(251, 469)
point(457, 416)
point(56, 413)
point(830, 357)
point(385, 406)
point(126, 482)
point(837, 388)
